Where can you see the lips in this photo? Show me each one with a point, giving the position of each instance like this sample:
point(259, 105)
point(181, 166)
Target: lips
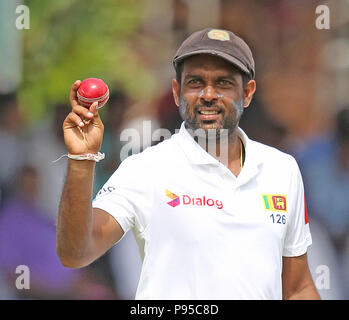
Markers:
point(208, 114)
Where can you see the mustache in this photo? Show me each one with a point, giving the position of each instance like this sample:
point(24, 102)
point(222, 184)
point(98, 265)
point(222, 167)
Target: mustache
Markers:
point(237, 105)
point(211, 106)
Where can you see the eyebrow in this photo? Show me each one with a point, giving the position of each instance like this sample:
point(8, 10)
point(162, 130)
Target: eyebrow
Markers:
point(231, 77)
point(192, 76)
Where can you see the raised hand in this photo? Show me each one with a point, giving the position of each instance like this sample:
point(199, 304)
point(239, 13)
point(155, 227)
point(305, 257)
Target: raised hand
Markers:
point(82, 128)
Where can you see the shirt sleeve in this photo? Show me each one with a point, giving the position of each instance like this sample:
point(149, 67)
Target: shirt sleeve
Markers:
point(298, 236)
point(126, 196)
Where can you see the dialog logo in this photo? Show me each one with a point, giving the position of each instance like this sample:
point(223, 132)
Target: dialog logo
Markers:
point(175, 199)
point(193, 201)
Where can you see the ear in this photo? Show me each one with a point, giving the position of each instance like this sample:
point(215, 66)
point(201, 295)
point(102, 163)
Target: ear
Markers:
point(176, 88)
point(249, 92)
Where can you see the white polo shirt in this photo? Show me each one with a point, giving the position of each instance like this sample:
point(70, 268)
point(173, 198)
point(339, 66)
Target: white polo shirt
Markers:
point(204, 233)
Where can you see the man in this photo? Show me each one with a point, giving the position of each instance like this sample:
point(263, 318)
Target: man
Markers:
point(222, 224)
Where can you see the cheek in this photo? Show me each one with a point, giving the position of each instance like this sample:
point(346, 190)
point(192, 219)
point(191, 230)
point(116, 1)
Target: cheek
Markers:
point(233, 106)
point(192, 97)
point(189, 100)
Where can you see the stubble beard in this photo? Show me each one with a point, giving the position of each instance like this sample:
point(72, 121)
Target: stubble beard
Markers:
point(224, 128)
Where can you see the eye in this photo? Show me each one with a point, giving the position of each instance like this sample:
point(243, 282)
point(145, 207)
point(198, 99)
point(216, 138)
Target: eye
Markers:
point(194, 81)
point(225, 83)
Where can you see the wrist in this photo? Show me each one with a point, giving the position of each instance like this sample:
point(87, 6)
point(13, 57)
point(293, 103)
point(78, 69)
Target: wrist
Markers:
point(81, 165)
point(87, 156)
point(92, 157)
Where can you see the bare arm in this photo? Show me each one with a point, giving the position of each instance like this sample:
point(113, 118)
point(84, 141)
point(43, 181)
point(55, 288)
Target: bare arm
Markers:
point(83, 233)
point(297, 283)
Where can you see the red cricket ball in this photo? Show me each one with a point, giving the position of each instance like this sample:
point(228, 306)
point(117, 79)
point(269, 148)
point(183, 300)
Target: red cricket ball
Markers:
point(91, 90)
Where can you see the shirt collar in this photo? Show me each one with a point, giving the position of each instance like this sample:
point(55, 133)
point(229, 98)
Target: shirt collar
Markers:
point(197, 155)
point(193, 151)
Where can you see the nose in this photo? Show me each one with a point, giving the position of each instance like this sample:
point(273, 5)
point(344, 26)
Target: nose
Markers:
point(208, 94)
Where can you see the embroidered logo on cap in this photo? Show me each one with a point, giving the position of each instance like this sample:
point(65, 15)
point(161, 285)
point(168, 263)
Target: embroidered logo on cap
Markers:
point(217, 34)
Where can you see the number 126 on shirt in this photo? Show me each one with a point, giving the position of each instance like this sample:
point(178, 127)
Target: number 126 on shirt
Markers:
point(278, 218)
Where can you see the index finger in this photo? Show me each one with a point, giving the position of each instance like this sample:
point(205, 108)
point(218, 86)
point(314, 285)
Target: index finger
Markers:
point(72, 97)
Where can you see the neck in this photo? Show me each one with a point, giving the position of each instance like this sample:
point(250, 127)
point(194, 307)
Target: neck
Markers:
point(225, 147)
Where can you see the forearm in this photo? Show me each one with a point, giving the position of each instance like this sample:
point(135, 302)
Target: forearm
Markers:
point(308, 292)
point(297, 282)
point(75, 220)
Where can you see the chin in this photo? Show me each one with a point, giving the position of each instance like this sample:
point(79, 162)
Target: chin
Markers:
point(213, 125)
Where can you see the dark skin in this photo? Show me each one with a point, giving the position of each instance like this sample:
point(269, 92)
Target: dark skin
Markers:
point(84, 233)
point(210, 83)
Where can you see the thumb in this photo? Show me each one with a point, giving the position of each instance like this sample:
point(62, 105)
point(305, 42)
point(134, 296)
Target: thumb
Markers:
point(96, 118)
point(93, 108)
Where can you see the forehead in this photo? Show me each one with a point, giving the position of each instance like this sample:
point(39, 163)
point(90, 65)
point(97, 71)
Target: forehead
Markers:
point(208, 62)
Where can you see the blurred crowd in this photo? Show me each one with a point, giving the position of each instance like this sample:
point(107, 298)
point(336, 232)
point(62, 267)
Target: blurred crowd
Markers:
point(294, 109)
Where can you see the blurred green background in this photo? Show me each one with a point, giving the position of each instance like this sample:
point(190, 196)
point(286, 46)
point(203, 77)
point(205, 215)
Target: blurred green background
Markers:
point(73, 39)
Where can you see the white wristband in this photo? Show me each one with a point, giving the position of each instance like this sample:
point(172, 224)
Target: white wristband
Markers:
point(87, 156)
